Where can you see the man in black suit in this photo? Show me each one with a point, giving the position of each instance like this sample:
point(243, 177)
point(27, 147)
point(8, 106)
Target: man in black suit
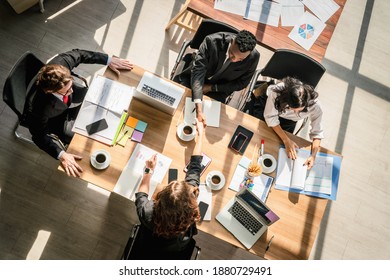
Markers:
point(224, 63)
point(53, 107)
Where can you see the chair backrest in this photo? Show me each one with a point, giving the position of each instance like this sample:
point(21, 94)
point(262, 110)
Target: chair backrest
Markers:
point(141, 247)
point(21, 81)
point(207, 27)
point(291, 63)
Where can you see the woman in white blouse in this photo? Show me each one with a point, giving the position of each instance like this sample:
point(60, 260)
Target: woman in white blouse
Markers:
point(290, 101)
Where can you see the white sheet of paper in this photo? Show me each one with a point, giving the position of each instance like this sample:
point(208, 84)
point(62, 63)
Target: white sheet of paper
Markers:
point(205, 195)
point(231, 6)
point(264, 11)
point(319, 178)
point(90, 113)
point(112, 95)
point(129, 180)
point(211, 111)
point(306, 32)
point(292, 11)
point(261, 183)
point(323, 9)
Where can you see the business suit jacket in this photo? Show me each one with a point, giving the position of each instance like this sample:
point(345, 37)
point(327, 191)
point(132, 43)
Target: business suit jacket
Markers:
point(210, 58)
point(46, 113)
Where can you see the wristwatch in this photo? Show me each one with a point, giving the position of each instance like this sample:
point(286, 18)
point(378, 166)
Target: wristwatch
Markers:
point(148, 171)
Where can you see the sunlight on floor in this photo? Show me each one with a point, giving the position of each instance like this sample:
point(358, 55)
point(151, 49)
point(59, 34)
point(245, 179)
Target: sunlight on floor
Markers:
point(63, 10)
point(39, 245)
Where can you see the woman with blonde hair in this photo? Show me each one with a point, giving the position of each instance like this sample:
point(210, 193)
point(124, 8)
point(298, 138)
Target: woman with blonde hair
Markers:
point(169, 220)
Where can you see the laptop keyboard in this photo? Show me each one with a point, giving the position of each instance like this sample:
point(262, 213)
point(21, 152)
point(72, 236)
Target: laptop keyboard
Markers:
point(245, 218)
point(154, 93)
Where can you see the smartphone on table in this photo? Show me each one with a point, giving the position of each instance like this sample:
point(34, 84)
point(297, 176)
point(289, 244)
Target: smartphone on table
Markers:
point(239, 142)
point(96, 126)
point(204, 164)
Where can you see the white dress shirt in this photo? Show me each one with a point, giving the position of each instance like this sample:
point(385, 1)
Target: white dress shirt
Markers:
point(314, 112)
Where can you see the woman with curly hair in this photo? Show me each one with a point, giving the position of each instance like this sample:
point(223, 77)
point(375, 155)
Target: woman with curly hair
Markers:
point(169, 219)
point(290, 101)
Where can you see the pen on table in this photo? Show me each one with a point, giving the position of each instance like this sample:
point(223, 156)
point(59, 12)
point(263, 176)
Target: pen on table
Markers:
point(122, 137)
point(269, 243)
point(193, 109)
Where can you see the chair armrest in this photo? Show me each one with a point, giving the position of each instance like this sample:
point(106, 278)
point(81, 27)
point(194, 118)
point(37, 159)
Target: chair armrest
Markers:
point(180, 55)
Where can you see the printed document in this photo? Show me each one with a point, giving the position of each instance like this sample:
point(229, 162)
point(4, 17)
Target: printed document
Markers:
point(261, 184)
point(105, 99)
point(293, 174)
point(231, 6)
point(264, 11)
point(131, 176)
point(292, 11)
point(323, 9)
point(306, 32)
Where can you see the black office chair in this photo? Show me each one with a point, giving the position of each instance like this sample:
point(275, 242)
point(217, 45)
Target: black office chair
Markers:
point(140, 246)
point(285, 63)
point(207, 27)
point(19, 84)
point(19, 89)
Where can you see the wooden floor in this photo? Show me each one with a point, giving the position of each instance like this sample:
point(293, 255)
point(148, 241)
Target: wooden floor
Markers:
point(46, 215)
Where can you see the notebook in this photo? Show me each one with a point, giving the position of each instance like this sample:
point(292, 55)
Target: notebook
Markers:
point(246, 217)
point(159, 93)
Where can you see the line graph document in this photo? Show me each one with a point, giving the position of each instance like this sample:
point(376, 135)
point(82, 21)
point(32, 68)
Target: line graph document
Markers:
point(292, 11)
point(231, 6)
point(323, 9)
point(263, 11)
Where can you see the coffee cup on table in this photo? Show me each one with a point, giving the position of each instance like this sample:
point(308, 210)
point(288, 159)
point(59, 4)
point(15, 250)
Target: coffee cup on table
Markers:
point(100, 159)
point(268, 163)
point(186, 131)
point(215, 180)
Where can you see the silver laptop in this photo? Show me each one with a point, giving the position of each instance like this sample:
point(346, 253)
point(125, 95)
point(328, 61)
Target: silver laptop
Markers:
point(246, 217)
point(159, 93)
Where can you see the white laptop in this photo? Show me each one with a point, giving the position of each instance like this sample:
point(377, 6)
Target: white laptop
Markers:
point(246, 217)
point(159, 93)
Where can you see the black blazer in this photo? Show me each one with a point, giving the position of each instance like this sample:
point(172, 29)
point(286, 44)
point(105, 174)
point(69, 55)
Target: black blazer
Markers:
point(47, 113)
point(210, 58)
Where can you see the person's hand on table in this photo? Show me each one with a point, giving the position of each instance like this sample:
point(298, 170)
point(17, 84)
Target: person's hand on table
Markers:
point(310, 162)
point(151, 163)
point(118, 63)
point(68, 162)
point(291, 147)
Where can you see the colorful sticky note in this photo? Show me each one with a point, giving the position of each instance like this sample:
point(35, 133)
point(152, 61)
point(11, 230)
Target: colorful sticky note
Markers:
point(137, 136)
point(141, 126)
point(125, 135)
point(132, 122)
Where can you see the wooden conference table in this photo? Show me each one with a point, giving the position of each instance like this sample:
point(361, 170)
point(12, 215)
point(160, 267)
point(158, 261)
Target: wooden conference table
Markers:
point(269, 36)
point(300, 215)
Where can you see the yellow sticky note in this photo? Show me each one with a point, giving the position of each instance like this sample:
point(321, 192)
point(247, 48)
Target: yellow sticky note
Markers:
point(125, 135)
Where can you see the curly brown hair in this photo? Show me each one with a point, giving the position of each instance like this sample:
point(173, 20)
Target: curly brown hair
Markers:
point(175, 209)
point(53, 77)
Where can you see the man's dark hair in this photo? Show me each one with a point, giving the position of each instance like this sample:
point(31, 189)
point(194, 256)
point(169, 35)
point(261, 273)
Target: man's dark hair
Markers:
point(245, 40)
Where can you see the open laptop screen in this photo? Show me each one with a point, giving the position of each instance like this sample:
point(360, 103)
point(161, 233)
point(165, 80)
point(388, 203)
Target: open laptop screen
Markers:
point(257, 205)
